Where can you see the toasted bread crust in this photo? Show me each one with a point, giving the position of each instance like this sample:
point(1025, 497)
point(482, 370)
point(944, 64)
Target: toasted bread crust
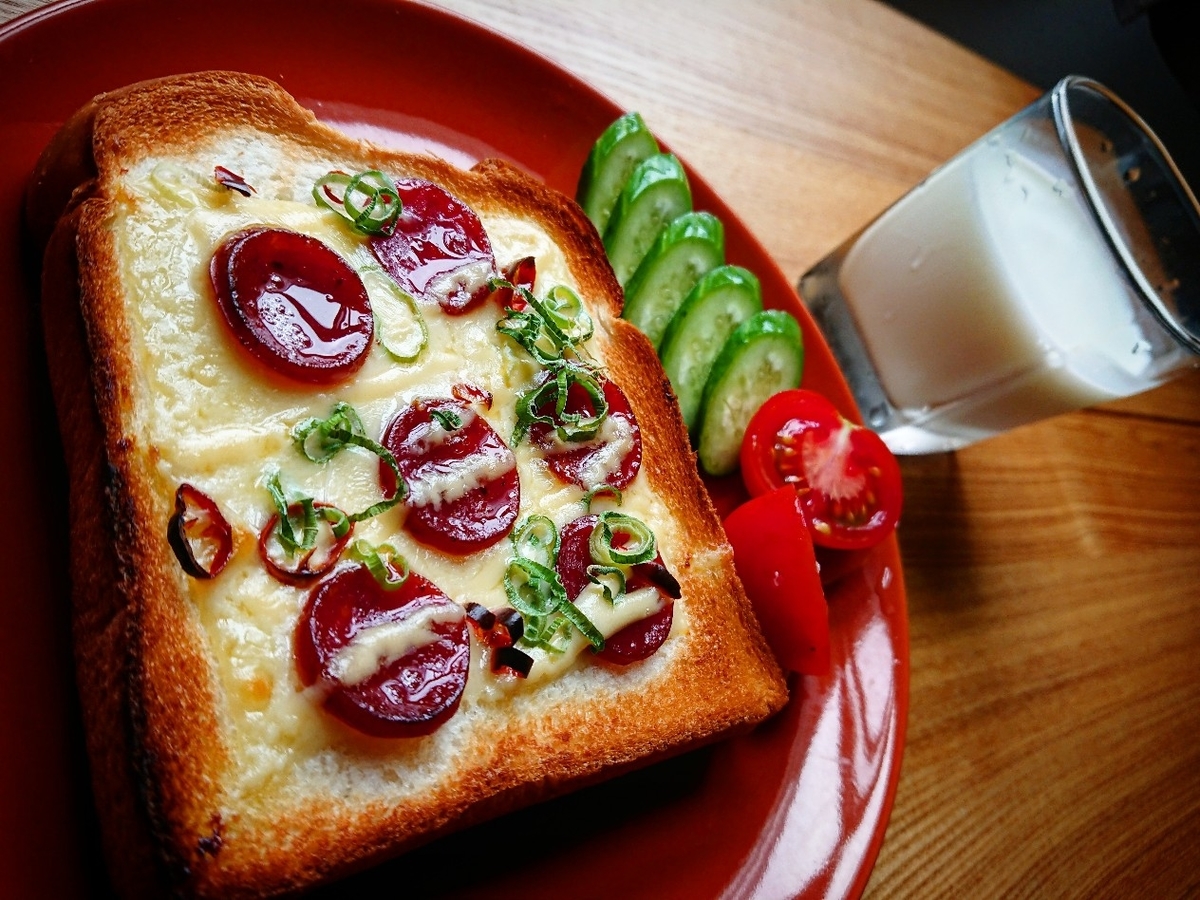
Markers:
point(144, 668)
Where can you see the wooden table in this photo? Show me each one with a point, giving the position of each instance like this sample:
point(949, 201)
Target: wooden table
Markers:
point(1053, 585)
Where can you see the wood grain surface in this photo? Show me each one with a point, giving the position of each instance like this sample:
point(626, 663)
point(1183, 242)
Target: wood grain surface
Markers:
point(1053, 573)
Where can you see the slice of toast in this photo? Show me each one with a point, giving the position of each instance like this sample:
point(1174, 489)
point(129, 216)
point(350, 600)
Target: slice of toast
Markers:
point(217, 771)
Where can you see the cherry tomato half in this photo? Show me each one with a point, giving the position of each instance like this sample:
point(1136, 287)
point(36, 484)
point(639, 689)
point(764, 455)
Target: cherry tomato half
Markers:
point(848, 479)
point(774, 556)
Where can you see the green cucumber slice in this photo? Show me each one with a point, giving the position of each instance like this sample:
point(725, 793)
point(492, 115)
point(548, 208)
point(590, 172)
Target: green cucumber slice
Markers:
point(764, 355)
point(689, 246)
point(614, 156)
point(656, 193)
point(718, 304)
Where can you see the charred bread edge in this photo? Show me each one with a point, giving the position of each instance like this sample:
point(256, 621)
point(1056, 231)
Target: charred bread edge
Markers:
point(121, 639)
point(102, 626)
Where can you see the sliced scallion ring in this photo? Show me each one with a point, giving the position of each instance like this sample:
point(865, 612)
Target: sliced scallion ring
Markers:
point(570, 427)
point(599, 492)
point(339, 523)
point(368, 200)
point(330, 191)
point(313, 436)
point(533, 589)
point(637, 544)
point(563, 310)
point(306, 519)
point(611, 580)
point(319, 440)
point(537, 593)
point(527, 329)
point(447, 419)
point(388, 567)
point(546, 328)
point(576, 617)
point(303, 513)
point(550, 633)
point(399, 326)
point(537, 539)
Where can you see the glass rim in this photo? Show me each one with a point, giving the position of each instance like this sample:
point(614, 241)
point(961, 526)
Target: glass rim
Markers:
point(1064, 124)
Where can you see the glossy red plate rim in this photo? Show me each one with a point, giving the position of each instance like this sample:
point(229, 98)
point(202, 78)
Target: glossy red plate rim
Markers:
point(796, 808)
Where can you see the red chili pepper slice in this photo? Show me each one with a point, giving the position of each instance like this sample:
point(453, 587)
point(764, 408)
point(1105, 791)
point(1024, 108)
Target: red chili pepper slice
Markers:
point(199, 533)
point(470, 393)
point(232, 180)
point(303, 567)
point(522, 274)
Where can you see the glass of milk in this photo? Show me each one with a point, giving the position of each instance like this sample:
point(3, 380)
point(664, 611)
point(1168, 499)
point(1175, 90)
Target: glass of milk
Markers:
point(1052, 265)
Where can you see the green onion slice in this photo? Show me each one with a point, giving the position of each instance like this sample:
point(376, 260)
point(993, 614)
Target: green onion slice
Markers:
point(306, 518)
point(449, 420)
point(339, 523)
point(549, 327)
point(314, 437)
point(533, 589)
point(637, 540)
point(298, 518)
point(554, 391)
point(550, 633)
point(399, 326)
point(537, 539)
point(526, 328)
point(537, 593)
point(563, 313)
point(611, 580)
point(319, 440)
point(368, 200)
point(600, 492)
point(390, 569)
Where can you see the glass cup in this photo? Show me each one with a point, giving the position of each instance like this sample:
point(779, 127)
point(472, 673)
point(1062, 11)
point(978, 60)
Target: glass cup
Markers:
point(1051, 265)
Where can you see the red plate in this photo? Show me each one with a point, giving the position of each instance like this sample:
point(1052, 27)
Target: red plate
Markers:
point(797, 808)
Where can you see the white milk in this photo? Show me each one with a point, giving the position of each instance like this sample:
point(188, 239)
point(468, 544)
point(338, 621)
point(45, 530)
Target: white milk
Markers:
point(986, 297)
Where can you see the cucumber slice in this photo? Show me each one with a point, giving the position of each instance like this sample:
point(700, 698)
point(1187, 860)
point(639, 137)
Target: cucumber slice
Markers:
point(719, 303)
point(688, 247)
point(763, 356)
point(656, 193)
point(614, 156)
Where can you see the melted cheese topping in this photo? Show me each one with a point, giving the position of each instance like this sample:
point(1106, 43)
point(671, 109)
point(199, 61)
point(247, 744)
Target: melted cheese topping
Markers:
point(209, 416)
point(467, 279)
point(612, 441)
point(607, 616)
point(435, 485)
point(377, 646)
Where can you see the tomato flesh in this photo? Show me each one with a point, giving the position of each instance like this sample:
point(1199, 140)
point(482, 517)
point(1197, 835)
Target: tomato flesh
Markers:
point(848, 479)
point(775, 560)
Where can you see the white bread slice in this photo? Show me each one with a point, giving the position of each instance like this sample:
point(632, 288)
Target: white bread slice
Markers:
point(215, 774)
